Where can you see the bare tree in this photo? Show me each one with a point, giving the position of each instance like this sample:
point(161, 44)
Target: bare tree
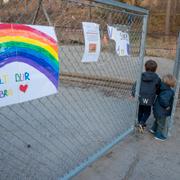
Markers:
point(133, 2)
point(174, 13)
point(168, 15)
point(3, 2)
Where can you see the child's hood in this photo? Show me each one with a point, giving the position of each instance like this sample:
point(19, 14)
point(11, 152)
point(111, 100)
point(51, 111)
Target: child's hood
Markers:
point(164, 87)
point(149, 76)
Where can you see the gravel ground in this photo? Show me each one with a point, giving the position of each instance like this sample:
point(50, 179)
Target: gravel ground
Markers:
point(139, 157)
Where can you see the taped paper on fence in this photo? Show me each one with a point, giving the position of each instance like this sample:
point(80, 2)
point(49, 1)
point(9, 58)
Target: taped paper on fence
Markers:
point(92, 42)
point(121, 39)
point(122, 43)
point(29, 64)
point(111, 32)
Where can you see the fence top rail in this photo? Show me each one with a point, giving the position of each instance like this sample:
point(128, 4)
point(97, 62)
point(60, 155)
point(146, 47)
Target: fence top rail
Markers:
point(123, 5)
point(93, 3)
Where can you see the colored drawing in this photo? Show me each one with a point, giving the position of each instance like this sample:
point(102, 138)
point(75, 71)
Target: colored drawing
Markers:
point(29, 63)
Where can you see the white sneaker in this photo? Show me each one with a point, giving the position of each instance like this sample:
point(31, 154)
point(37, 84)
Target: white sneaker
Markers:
point(160, 138)
point(152, 131)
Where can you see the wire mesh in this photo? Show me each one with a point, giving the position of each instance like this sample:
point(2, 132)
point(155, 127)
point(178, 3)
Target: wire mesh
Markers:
point(176, 72)
point(47, 137)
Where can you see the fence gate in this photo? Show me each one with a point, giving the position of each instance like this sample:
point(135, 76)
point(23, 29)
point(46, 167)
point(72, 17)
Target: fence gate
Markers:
point(176, 73)
point(57, 136)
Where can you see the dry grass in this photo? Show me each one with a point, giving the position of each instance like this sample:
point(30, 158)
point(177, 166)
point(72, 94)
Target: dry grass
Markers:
point(161, 46)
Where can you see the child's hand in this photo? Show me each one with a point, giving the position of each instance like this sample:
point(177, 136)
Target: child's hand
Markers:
point(168, 108)
point(131, 98)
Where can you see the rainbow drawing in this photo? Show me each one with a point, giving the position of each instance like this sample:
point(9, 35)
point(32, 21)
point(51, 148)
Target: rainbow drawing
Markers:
point(27, 44)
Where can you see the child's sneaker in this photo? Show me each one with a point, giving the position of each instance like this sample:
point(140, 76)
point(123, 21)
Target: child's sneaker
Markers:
point(152, 131)
point(140, 128)
point(144, 127)
point(160, 137)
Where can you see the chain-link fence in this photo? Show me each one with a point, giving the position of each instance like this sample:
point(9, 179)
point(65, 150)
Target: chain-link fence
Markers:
point(57, 136)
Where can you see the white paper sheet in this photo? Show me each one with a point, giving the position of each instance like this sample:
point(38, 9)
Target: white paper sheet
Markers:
point(92, 42)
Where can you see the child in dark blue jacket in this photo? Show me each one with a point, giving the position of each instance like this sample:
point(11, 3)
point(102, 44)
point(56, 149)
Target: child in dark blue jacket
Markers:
point(149, 88)
point(163, 106)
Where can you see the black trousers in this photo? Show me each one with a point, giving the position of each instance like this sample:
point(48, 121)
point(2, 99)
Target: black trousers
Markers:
point(143, 113)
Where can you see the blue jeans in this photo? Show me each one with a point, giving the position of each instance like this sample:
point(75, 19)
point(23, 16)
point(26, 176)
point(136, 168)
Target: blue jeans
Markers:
point(160, 127)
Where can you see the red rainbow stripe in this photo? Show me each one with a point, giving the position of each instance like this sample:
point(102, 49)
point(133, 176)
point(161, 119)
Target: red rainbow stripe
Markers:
point(26, 28)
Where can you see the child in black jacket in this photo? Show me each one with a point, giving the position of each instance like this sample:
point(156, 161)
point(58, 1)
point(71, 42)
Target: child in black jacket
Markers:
point(150, 83)
point(163, 106)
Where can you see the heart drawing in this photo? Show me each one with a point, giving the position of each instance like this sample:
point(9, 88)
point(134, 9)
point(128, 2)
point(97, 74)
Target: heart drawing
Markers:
point(23, 88)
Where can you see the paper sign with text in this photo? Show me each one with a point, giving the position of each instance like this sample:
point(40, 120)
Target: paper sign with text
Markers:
point(29, 64)
point(92, 42)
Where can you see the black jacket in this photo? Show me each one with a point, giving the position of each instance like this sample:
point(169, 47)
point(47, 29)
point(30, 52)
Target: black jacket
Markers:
point(149, 88)
point(163, 104)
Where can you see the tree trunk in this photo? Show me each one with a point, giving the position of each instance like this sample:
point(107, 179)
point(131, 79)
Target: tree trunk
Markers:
point(174, 15)
point(168, 16)
point(133, 2)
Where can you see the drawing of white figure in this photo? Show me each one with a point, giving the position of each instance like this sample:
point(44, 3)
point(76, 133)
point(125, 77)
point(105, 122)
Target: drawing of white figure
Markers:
point(121, 39)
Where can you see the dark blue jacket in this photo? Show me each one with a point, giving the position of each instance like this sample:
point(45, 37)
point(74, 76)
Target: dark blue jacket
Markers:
point(163, 104)
point(150, 83)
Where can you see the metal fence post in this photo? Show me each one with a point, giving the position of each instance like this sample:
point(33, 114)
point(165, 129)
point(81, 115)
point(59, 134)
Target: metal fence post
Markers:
point(176, 73)
point(141, 62)
point(176, 64)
